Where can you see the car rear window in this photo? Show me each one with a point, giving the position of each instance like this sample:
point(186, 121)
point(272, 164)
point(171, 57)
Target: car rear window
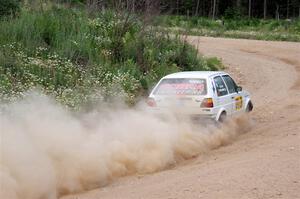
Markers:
point(181, 86)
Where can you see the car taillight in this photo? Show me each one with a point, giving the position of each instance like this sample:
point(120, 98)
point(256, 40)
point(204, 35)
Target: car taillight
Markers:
point(151, 102)
point(207, 103)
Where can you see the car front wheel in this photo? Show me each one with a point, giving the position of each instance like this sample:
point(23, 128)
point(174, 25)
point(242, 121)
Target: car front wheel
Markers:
point(249, 107)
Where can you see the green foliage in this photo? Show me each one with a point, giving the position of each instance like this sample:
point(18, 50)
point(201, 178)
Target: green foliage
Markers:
point(232, 13)
point(9, 7)
point(80, 59)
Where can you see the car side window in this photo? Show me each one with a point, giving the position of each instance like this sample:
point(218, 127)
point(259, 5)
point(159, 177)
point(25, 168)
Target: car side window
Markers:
point(231, 85)
point(220, 86)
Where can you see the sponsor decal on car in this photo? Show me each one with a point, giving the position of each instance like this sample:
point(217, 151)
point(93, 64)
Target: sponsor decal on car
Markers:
point(238, 102)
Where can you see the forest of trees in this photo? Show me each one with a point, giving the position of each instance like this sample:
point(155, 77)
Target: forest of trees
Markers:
point(280, 9)
point(266, 9)
point(251, 8)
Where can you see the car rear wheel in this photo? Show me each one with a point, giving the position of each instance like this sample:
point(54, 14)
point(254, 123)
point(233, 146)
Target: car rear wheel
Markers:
point(222, 117)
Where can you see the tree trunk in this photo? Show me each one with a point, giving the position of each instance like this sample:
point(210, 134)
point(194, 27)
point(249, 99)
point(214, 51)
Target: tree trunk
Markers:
point(265, 9)
point(214, 8)
point(132, 5)
point(197, 8)
point(239, 4)
point(287, 9)
point(210, 13)
point(277, 11)
point(249, 8)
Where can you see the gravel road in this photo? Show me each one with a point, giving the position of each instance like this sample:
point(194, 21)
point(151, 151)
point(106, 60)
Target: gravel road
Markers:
point(264, 162)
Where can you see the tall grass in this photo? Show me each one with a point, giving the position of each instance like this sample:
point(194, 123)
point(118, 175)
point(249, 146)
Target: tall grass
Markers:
point(79, 57)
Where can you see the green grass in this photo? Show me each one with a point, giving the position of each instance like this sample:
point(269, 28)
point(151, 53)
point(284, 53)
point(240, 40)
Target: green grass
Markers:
point(81, 58)
point(277, 30)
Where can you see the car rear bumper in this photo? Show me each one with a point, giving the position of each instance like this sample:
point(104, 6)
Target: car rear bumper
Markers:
point(202, 116)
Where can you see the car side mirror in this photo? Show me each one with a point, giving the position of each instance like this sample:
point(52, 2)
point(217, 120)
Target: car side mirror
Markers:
point(239, 89)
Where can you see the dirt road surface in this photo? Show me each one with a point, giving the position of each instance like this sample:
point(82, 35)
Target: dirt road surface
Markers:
point(264, 162)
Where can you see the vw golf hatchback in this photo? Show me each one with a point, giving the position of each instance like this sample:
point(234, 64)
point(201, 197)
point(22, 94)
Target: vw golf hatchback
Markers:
point(200, 94)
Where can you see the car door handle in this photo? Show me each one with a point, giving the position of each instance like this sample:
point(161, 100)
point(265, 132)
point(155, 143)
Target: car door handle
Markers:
point(232, 97)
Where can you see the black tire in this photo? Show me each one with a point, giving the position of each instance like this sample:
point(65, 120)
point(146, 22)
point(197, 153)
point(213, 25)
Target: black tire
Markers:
point(249, 107)
point(222, 117)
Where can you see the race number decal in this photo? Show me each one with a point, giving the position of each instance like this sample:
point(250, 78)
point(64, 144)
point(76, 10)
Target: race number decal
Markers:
point(238, 102)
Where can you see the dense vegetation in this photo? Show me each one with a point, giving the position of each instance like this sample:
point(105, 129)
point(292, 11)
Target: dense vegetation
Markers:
point(81, 57)
point(279, 9)
point(275, 9)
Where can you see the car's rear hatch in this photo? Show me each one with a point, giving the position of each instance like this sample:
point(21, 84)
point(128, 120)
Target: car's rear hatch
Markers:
point(180, 92)
point(178, 101)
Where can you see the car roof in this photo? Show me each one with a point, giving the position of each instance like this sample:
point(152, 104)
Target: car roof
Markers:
point(195, 74)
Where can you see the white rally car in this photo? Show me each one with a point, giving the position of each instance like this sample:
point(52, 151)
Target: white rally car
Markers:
point(200, 94)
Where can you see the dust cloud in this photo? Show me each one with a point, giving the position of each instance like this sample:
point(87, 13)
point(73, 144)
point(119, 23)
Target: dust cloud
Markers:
point(48, 151)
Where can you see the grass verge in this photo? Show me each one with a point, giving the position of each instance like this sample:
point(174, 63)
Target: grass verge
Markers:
point(273, 30)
